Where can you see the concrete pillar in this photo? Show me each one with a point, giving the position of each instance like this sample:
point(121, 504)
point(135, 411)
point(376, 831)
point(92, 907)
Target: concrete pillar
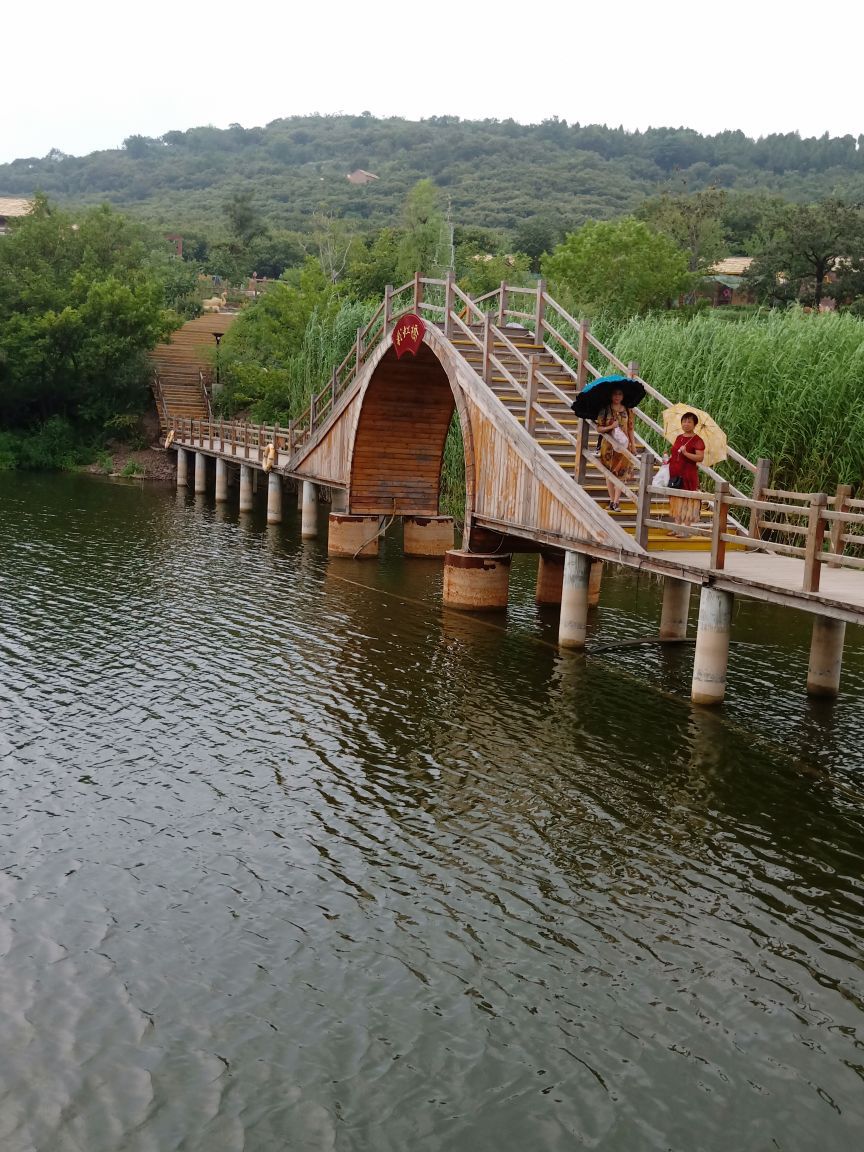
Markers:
point(246, 501)
point(299, 495)
point(309, 520)
point(221, 480)
point(427, 535)
point(274, 498)
point(826, 656)
point(572, 626)
point(595, 579)
point(200, 472)
point(712, 646)
point(338, 501)
point(675, 610)
point(182, 467)
point(476, 582)
point(550, 578)
point(352, 536)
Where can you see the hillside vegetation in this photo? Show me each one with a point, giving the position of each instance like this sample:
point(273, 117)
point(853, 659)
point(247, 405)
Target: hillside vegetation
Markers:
point(495, 173)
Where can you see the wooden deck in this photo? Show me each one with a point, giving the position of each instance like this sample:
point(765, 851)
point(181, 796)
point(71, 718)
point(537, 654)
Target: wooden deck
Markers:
point(765, 576)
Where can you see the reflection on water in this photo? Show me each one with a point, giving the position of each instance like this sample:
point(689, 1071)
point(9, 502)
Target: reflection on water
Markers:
point(292, 858)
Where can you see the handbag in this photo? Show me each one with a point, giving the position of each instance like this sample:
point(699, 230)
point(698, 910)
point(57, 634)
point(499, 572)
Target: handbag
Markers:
point(675, 482)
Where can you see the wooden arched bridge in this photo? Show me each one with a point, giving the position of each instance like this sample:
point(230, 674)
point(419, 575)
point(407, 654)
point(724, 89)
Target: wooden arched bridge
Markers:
point(509, 364)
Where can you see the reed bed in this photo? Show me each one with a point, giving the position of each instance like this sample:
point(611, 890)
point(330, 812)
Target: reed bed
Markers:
point(785, 385)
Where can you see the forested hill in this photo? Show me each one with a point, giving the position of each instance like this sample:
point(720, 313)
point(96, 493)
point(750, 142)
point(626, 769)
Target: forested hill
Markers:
point(495, 173)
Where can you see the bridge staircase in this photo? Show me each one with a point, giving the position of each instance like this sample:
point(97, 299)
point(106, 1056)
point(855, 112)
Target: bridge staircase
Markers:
point(561, 449)
point(183, 369)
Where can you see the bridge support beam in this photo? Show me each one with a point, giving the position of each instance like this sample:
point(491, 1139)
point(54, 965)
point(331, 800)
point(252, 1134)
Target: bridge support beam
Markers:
point(309, 506)
point(200, 472)
point(475, 582)
point(221, 480)
point(595, 579)
point(826, 656)
point(712, 646)
point(573, 625)
point(274, 498)
point(182, 467)
point(352, 536)
point(427, 535)
point(675, 610)
point(246, 501)
point(550, 578)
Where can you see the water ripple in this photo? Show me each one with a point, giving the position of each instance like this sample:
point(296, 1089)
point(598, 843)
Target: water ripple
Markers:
point(293, 858)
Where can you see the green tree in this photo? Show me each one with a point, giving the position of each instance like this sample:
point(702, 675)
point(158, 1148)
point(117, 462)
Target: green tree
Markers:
point(81, 301)
point(801, 246)
point(618, 266)
point(423, 246)
point(245, 222)
point(694, 222)
point(536, 236)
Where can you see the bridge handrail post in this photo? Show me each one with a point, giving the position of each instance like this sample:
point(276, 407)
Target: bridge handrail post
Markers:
point(643, 506)
point(760, 483)
point(418, 293)
point(530, 395)
point(502, 303)
point(815, 540)
point(487, 345)
point(334, 385)
point(358, 352)
point(312, 413)
point(246, 439)
point(448, 304)
point(719, 525)
point(539, 312)
point(290, 437)
point(388, 312)
point(582, 366)
point(582, 438)
point(835, 538)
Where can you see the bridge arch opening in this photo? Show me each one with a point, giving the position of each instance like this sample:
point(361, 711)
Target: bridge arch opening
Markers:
point(402, 428)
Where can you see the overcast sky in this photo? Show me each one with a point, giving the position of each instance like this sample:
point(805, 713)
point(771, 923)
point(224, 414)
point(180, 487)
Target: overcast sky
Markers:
point(82, 76)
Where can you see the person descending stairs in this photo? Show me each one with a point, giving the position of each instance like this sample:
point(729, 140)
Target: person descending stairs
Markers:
point(591, 476)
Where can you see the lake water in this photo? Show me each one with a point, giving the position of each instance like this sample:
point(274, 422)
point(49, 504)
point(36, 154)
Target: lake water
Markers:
point(293, 858)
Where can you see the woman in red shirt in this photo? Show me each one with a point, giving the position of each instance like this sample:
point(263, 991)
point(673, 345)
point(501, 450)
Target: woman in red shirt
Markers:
point(687, 452)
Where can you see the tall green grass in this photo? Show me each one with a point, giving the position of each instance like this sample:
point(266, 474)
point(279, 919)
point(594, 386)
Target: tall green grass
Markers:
point(786, 385)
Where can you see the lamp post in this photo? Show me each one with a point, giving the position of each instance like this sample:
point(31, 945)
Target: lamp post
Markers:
point(217, 336)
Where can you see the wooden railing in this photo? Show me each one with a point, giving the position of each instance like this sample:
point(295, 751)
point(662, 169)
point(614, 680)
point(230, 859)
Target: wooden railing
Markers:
point(205, 382)
point(159, 396)
point(822, 527)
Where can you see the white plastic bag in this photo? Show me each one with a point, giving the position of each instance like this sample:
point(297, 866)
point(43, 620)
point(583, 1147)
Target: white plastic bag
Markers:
point(661, 478)
point(619, 436)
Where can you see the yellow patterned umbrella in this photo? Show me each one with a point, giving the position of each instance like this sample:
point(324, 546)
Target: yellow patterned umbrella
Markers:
point(706, 428)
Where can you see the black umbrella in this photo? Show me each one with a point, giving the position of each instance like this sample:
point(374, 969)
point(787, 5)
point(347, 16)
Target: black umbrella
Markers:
point(598, 395)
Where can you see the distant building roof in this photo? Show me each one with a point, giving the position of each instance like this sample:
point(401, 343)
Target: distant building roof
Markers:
point(360, 176)
point(731, 266)
point(14, 206)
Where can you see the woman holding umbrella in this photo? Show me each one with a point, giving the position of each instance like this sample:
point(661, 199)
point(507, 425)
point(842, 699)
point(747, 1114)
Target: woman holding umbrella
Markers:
point(688, 452)
point(696, 439)
point(616, 422)
point(608, 400)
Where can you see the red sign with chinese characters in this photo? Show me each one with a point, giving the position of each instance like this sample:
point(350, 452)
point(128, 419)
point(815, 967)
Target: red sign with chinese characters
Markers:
point(408, 334)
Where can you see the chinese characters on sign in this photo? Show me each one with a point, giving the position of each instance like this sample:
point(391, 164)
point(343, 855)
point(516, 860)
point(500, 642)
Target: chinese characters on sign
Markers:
point(408, 334)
